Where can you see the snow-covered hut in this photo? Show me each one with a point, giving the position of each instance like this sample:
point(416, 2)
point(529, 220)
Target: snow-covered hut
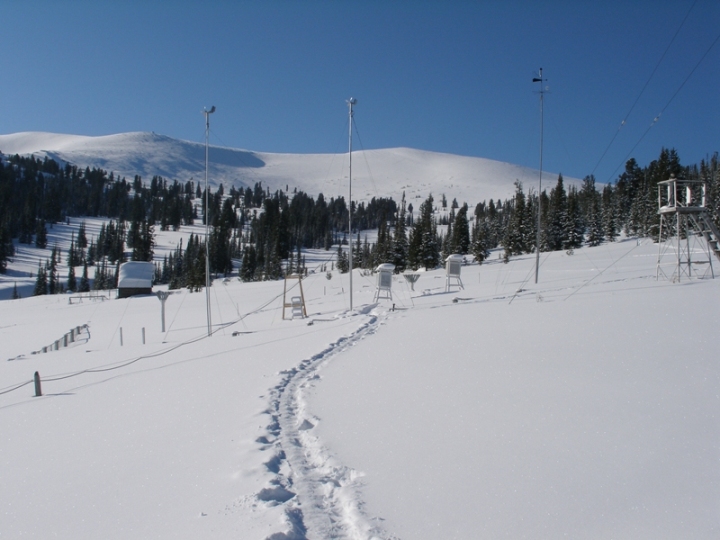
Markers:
point(135, 277)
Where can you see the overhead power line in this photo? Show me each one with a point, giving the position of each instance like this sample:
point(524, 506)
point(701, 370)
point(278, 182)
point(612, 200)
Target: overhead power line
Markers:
point(625, 119)
point(657, 118)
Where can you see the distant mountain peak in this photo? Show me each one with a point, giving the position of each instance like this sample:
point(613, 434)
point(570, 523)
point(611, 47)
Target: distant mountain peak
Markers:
point(379, 173)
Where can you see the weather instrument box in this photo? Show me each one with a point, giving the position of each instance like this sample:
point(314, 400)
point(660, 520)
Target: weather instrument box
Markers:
point(384, 281)
point(453, 266)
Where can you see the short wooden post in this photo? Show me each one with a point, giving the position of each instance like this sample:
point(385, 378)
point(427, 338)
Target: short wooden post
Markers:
point(121, 340)
point(143, 335)
point(72, 335)
point(65, 340)
point(38, 389)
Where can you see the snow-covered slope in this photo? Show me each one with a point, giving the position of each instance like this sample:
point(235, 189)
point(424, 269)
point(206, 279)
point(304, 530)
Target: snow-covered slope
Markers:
point(582, 407)
point(376, 173)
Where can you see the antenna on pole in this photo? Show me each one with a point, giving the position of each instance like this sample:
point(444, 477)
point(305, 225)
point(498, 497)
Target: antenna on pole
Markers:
point(352, 101)
point(537, 240)
point(207, 222)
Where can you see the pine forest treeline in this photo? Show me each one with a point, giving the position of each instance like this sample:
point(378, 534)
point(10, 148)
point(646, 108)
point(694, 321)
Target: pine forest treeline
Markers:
point(262, 235)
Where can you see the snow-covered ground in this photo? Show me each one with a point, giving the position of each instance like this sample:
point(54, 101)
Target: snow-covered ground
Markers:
point(23, 267)
point(376, 173)
point(584, 406)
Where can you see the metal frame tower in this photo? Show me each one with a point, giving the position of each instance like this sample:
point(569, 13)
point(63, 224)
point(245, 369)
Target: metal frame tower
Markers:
point(685, 222)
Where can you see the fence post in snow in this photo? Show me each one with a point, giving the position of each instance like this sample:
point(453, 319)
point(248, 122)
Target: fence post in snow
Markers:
point(38, 389)
point(143, 335)
point(121, 341)
point(65, 340)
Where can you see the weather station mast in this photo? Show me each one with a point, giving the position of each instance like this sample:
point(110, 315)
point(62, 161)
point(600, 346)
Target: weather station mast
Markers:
point(539, 79)
point(351, 102)
point(207, 222)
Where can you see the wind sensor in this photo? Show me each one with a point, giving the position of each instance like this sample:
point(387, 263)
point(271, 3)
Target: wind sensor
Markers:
point(207, 222)
point(352, 101)
point(539, 79)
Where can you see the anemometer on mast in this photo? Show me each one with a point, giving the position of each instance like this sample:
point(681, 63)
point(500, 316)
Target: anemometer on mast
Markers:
point(539, 79)
point(207, 222)
point(351, 102)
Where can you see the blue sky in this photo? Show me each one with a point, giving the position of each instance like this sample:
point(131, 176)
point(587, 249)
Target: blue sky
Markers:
point(437, 75)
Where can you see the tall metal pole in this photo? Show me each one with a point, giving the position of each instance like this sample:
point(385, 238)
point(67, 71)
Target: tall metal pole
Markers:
point(539, 210)
point(207, 222)
point(350, 102)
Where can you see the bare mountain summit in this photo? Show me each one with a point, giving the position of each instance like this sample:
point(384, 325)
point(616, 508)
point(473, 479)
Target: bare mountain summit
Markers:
point(376, 173)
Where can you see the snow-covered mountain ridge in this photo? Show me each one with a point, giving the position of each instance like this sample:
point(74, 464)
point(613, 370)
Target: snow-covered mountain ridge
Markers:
point(376, 173)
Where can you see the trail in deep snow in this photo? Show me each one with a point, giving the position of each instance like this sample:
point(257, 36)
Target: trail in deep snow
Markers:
point(321, 495)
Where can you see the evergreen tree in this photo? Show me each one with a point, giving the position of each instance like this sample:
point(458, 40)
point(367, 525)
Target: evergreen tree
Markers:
point(444, 241)
point(71, 256)
point(414, 240)
point(460, 241)
point(84, 281)
point(273, 264)
point(479, 246)
point(556, 228)
point(575, 231)
point(609, 214)
point(249, 264)
point(41, 235)
point(595, 227)
point(357, 253)
point(342, 264)
point(530, 220)
point(7, 249)
point(72, 281)
point(41, 283)
point(143, 243)
point(424, 249)
point(515, 233)
point(101, 278)
point(400, 241)
point(384, 252)
point(15, 293)
point(82, 242)
point(52, 273)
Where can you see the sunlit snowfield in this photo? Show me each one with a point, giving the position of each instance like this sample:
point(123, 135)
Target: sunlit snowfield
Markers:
point(585, 406)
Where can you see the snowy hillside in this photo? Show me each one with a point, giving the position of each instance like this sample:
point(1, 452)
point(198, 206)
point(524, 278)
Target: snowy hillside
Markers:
point(376, 173)
point(582, 407)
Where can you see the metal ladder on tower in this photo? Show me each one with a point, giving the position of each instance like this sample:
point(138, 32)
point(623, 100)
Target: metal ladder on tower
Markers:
point(704, 225)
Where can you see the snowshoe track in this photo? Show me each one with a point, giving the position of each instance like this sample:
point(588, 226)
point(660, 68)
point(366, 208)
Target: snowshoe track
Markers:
point(321, 496)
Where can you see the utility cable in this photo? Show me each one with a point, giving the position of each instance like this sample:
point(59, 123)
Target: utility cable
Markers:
point(372, 179)
point(602, 271)
point(622, 124)
point(527, 278)
point(146, 356)
point(16, 387)
point(657, 118)
point(334, 154)
point(112, 338)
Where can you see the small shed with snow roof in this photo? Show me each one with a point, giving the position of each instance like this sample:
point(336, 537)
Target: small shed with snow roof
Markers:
point(135, 277)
